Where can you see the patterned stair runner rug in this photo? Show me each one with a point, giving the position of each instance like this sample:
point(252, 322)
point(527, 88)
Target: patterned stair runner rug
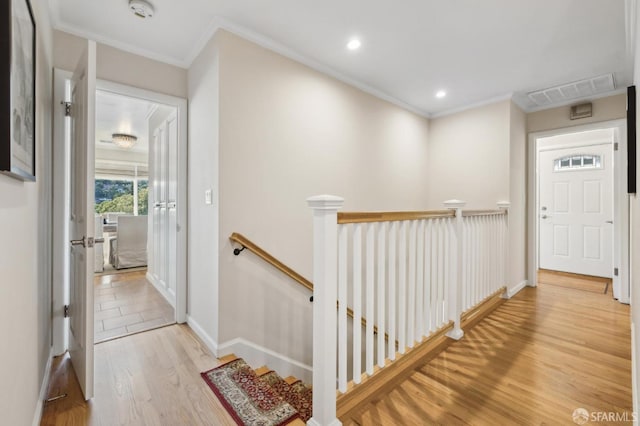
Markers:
point(296, 394)
point(249, 400)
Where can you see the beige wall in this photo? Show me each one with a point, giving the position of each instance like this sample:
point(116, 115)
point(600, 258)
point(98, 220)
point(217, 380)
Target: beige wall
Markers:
point(604, 109)
point(121, 67)
point(25, 258)
point(479, 156)
point(286, 133)
point(469, 157)
point(203, 293)
point(517, 196)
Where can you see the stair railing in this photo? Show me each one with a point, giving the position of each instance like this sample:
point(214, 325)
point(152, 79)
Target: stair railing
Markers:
point(412, 274)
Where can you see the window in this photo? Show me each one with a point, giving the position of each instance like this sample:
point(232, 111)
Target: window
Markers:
point(577, 162)
point(117, 196)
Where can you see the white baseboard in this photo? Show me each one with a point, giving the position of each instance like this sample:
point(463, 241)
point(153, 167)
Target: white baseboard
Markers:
point(44, 387)
point(160, 289)
point(515, 290)
point(257, 356)
point(208, 341)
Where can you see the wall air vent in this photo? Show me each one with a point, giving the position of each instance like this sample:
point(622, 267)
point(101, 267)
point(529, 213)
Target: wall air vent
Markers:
point(575, 90)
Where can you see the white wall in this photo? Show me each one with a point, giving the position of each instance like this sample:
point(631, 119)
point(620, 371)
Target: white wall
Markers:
point(121, 67)
point(25, 258)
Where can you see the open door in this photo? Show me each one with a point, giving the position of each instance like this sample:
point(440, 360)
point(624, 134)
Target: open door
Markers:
point(81, 229)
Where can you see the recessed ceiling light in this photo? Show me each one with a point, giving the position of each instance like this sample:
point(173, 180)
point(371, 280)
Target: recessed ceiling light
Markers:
point(354, 44)
point(441, 94)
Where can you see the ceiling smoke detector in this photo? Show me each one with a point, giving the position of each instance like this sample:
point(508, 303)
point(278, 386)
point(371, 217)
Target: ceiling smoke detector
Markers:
point(141, 8)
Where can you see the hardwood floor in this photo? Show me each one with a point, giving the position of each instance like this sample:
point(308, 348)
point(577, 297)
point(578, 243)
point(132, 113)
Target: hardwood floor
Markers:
point(534, 360)
point(127, 303)
point(151, 378)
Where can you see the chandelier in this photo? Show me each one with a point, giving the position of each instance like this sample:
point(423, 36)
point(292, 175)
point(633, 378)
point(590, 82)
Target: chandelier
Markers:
point(124, 140)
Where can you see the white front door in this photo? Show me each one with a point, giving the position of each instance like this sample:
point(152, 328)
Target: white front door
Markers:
point(576, 210)
point(83, 89)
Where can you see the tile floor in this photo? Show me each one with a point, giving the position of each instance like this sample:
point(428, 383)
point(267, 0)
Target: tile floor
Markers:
point(127, 303)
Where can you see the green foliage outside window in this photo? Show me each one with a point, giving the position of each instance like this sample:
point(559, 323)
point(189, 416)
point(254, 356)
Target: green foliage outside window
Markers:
point(117, 196)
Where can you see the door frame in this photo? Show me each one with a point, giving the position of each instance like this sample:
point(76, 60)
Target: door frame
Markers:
point(620, 201)
point(61, 190)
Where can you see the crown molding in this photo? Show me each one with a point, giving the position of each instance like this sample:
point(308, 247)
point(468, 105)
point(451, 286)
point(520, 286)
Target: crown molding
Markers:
point(474, 105)
point(219, 23)
point(121, 46)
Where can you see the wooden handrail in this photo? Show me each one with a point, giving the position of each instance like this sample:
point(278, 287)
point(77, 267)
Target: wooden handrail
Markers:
point(365, 217)
point(261, 253)
point(468, 213)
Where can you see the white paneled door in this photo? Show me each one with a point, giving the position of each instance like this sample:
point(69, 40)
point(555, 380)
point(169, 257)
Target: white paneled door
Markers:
point(576, 210)
point(164, 181)
point(82, 113)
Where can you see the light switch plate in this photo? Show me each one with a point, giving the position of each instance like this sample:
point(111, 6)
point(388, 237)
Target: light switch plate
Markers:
point(207, 197)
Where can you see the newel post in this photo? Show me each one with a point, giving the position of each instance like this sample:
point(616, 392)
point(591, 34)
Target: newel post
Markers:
point(505, 243)
point(454, 305)
point(325, 293)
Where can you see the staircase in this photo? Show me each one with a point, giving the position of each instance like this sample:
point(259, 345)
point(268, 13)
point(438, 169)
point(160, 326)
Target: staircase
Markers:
point(289, 395)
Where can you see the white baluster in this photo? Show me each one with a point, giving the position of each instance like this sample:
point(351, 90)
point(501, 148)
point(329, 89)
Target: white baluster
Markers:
point(411, 299)
point(433, 308)
point(370, 298)
point(454, 288)
point(419, 282)
point(441, 297)
point(427, 279)
point(325, 275)
point(393, 243)
point(402, 284)
point(357, 303)
point(342, 307)
point(382, 229)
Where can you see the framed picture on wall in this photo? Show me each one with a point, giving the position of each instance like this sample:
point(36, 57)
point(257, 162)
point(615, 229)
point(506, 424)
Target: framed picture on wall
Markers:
point(17, 89)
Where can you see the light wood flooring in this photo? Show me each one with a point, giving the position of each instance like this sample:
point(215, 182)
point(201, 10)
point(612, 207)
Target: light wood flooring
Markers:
point(127, 303)
point(533, 361)
point(151, 378)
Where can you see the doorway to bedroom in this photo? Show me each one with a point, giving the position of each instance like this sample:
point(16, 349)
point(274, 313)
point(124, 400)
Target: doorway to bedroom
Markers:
point(135, 200)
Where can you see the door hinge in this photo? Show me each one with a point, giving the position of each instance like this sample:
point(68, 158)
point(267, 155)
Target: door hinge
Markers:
point(615, 271)
point(66, 311)
point(615, 146)
point(67, 108)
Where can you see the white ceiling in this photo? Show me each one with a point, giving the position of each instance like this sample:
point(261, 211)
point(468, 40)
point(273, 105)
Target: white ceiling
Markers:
point(475, 50)
point(121, 114)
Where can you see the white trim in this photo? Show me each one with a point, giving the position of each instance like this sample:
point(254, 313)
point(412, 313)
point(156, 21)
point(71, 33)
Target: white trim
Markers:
point(60, 211)
point(515, 289)
point(182, 201)
point(44, 388)
point(219, 23)
point(256, 356)
point(474, 105)
point(206, 339)
point(621, 210)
